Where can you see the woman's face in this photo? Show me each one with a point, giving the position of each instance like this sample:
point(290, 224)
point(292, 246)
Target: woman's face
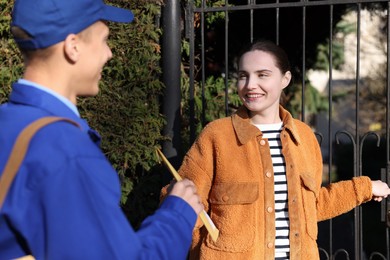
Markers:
point(260, 83)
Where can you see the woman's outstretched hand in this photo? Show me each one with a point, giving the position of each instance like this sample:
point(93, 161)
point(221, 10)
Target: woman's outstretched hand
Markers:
point(380, 190)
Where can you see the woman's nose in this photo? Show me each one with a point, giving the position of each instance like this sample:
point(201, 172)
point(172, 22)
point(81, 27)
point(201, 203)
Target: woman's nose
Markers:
point(251, 83)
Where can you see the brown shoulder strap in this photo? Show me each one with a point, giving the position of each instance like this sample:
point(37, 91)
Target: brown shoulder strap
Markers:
point(19, 151)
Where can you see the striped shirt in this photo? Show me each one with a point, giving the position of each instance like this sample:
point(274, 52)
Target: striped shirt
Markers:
point(282, 242)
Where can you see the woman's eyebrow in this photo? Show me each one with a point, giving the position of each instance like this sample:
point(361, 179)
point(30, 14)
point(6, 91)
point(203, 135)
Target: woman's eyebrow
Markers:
point(257, 71)
point(263, 70)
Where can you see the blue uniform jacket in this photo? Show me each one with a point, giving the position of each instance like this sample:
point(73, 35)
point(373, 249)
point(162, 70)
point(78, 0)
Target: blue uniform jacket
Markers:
point(64, 201)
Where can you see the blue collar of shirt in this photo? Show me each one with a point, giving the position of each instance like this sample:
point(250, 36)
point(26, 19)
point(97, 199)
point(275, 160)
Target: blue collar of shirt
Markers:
point(64, 100)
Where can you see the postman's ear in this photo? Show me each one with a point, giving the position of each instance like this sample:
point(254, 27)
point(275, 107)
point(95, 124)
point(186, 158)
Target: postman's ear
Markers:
point(71, 48)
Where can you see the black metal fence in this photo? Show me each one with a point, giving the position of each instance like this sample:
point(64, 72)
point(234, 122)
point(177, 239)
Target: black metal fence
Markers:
point(322, 37)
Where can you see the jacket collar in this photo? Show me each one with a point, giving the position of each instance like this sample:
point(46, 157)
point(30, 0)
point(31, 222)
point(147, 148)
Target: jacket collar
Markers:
point(33, 97)
point(246, 131)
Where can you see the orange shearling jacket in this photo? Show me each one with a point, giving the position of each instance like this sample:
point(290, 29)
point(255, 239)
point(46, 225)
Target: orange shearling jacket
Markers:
point(231, 167)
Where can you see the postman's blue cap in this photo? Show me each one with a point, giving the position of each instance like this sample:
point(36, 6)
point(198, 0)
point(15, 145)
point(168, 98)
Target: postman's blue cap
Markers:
point(51, 21)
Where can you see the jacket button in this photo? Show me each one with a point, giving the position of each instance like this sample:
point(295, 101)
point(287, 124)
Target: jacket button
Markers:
point(262, 142)
point(270, 245)
point(270, 209)
point(268, 174)
point(225, 198)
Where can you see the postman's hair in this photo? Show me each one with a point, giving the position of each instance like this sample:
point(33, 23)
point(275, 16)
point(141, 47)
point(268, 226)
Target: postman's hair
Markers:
point(19, 33)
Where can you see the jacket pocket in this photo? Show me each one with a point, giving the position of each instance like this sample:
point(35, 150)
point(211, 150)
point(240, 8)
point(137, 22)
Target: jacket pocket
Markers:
point(309, 198)
point(232, 209)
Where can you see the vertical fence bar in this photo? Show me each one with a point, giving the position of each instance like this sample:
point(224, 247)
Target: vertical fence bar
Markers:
point(251, 20)
point(226, 58)
point(191, 33)
point(387, 125)
point(203, 62)
point(277, 23)
point(171, 59)
point(330, 102)
point(303, 60)
point(358, 210)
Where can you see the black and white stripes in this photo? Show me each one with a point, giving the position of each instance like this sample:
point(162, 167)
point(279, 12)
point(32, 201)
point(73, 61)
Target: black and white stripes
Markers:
point(282, 242)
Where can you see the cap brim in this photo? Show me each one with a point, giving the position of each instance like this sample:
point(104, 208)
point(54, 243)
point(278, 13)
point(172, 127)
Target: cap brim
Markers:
point(116, 14)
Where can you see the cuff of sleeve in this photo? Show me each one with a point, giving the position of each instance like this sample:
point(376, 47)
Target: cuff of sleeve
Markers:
point(363, 188)
point(182, 207)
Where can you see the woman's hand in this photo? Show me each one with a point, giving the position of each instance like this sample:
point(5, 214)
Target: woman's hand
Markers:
point(380, 190)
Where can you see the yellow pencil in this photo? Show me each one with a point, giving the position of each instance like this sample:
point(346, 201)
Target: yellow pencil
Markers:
point(211, 228)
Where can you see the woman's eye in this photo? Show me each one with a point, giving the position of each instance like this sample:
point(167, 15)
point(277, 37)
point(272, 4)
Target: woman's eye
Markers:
point(242, 76)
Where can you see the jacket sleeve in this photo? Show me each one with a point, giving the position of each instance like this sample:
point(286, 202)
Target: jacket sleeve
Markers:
point(168, 233)
point(340, 197)
point(95, 227)
point(198, 167)
point(73, 212)
point(189, 169)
